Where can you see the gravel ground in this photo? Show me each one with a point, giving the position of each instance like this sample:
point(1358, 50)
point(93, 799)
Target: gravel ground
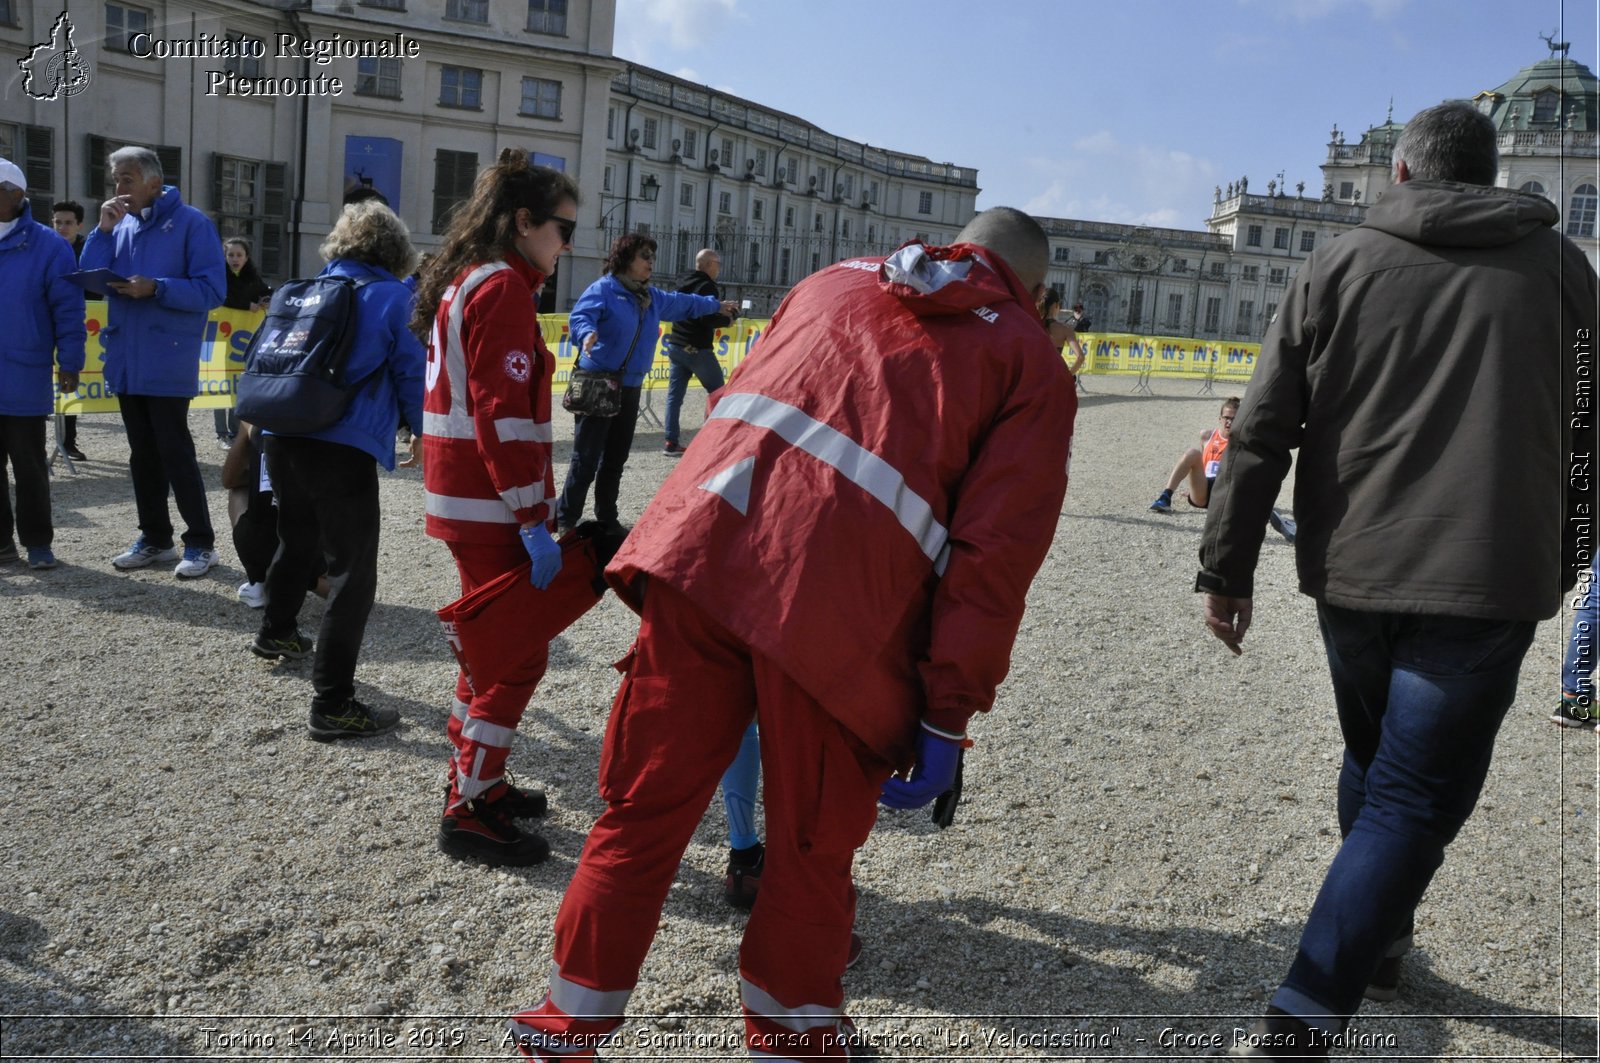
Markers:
point(1146, 819)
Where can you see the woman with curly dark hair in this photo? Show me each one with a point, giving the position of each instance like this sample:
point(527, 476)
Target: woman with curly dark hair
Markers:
point(486, 466)
point(616, 324)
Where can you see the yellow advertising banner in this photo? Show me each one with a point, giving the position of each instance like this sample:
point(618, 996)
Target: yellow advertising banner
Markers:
point(222, 346)
point(218, 361)
point(1126, 353)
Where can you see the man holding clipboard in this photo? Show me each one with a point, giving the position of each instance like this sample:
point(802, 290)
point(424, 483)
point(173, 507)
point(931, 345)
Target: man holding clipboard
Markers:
point(166, 271)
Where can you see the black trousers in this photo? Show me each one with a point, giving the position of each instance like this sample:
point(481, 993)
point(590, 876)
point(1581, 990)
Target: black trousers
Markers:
point(600, 448)
point(161, 457)
point(22, 444)
point(255, 533)
point(327, 504)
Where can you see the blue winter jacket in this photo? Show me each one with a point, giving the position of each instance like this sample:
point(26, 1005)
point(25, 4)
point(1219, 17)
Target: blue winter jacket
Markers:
point(153, 345)
point(627, 339)
point(43, 318)
point(386, 351)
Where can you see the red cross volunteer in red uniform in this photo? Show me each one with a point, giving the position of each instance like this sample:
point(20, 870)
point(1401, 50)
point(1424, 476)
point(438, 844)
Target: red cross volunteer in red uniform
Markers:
point(844, 555)
point(486, 467)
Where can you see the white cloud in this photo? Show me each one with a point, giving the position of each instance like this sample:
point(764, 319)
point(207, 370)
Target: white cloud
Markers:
point(1104, 179)
point(649, 30)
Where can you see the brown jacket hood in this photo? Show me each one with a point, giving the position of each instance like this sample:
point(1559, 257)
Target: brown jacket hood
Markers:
point(1450, 214)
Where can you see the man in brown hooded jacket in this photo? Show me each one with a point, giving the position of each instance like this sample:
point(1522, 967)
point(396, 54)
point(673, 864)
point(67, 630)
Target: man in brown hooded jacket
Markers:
point(1430, 368)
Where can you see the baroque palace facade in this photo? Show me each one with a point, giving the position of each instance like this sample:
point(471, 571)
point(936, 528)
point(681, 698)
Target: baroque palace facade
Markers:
point(266, 112)
point(1226, 282)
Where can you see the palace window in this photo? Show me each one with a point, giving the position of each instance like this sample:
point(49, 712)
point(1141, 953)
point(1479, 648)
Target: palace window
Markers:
point(467, 10)
point(453, 175)
point(378, 77)
point(251, 199)
point(1580, 219)
point(461, 86)
point(123, 22)
point(548, 16)
point(541, 98)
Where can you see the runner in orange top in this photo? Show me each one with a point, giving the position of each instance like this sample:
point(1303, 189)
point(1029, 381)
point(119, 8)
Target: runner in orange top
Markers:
point(1201, 464)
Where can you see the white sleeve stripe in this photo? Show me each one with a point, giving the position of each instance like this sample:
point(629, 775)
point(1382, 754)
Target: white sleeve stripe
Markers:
point(453, 425)
point(524, 497)
point(523, 429)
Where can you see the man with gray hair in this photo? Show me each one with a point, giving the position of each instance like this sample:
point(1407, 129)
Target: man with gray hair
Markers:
point(843, 555)
point(171, 257)
point(1422, 364)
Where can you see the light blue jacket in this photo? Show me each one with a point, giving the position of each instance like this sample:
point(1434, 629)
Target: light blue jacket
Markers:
point(627, 340)
point(43, 319)
point(153, 345)
point(386, 351)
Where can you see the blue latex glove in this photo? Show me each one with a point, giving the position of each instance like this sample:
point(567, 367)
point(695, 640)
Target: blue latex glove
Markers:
point(544, 553)
point(934, 773)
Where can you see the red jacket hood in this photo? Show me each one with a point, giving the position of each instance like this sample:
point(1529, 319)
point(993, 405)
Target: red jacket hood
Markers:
point(933, 281)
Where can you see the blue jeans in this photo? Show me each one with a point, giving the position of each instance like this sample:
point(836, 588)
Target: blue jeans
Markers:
point(687, 362)
point(1577, 673)
point(1420, 700)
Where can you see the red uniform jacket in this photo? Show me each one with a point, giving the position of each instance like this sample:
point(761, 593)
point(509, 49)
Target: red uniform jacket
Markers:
point(875, 489)
point(486, 412)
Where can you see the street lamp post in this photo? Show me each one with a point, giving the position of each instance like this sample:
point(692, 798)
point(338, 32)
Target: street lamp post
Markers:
point(649, 189)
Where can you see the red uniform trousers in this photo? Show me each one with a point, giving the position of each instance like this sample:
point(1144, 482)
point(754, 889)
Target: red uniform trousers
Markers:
point(483, 722)
point(690, 690)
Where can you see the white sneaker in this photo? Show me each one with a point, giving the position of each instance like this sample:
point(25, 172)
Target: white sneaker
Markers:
point(196, 563)
point(253, 594)
point(142, 553)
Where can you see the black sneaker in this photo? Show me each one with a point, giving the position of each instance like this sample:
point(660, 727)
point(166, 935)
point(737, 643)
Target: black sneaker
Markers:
point(73, 452)
point(351, 719)
point(294, 647)
point(743, 880)
point(8, 553)
point(513, 800)
point(522, 804)
point(1384, 985)
point(1385, 982)
point(1279, 1035)
point(480, 830)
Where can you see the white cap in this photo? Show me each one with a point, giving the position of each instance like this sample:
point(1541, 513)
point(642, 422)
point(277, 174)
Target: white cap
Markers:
point(11, 174)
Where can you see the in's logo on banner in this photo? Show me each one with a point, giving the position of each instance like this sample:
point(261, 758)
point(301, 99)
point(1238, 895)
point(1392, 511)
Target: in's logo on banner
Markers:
point(55, 68)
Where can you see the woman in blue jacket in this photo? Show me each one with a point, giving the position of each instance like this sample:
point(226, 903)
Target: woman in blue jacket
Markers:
point(326, 482)
point(616, 324)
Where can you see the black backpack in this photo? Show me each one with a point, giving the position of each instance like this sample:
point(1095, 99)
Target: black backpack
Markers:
point(294, 373)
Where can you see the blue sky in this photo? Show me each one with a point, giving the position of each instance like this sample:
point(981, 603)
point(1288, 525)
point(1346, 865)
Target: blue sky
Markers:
point(1126, 111)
